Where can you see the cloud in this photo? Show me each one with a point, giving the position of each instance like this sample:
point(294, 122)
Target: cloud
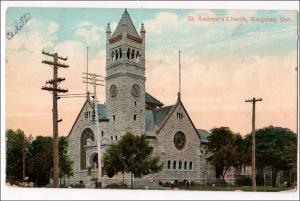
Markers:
point(53, 27)
point(89, 31)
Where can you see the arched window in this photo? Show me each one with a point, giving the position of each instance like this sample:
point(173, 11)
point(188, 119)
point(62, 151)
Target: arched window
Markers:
point(191, 165)
point(112, 56)
point(174, 165)
point(169, 165)
point(185, 165)
point(116, 54)
point(132, 54)
point(86, 135)
point(120, 51)
point(179, 166)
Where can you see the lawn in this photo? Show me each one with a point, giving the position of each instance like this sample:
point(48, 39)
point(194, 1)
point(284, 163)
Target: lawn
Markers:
point(236, 188)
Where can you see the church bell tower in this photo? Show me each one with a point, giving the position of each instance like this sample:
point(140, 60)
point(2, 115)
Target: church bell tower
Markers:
point(125, 78)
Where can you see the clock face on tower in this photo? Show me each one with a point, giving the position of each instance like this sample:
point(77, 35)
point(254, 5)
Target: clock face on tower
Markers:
point(179, 140)
point(135, 91)
point(113, 90)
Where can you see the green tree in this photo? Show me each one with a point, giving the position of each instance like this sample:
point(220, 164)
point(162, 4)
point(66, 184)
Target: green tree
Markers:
point(15, 140)
point(223, 147)
point(41, 160)
point(131, 154)
point(276, 147)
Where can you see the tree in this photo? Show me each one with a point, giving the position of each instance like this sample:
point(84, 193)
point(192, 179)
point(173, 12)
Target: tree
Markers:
point(131, 154)
point(276, 147)
point(223, 148)
point(16, 143)
point(41, 160)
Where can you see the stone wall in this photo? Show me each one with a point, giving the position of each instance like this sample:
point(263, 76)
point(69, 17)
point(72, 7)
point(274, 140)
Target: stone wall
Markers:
point(165, 149)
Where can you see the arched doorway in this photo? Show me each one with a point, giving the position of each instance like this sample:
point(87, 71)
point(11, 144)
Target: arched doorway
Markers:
point(94, 161)
point(86, 135)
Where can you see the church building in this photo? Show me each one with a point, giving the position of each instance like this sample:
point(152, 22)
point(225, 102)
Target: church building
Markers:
point(129, 108)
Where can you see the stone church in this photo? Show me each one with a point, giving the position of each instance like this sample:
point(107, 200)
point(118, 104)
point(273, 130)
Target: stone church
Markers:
point(129, 108)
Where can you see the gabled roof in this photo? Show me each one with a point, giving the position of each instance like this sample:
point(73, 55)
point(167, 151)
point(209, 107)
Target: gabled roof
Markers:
point(203, 135)
point(160, 114)
point(173, 108)
point(86, 102)
point(125, 19)
point(150, 99)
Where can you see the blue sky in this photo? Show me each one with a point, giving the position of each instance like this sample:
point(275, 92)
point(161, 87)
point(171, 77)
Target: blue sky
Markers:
point(223, 63)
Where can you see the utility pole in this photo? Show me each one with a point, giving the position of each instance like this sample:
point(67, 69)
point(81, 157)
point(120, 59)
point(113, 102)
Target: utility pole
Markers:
point(253, 166)
point(23, 156)
point(55, 64)
point(95, 80)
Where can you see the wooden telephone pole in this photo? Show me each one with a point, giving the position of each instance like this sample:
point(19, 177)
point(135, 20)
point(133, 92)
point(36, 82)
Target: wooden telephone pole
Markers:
point(55, 90)
point(253, 166)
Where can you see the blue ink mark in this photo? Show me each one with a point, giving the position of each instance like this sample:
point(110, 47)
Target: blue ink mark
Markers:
point(19, 24)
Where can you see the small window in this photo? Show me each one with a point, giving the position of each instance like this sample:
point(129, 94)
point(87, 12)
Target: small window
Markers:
point(80, 182)
point(191, 165)
point(102, 133)
point(179, 115)
point(185, 165)
point(174, 165)
point(114, 117)
point(179, 166)
point(169, 165)
point(134, 117)
point(135, 103)
point(111, 137)
point(116, 137)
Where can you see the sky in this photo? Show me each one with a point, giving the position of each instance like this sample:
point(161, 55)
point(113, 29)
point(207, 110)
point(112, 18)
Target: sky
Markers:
point(223, 64)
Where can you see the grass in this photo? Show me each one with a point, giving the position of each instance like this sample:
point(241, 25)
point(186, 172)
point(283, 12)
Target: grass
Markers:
point(236, 188)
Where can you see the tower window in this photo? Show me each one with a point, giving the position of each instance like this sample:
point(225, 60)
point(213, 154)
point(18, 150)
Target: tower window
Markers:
point(132, 54)
point(179, 165)
point(112, 56)
point(134, 117)
point(174, 165)
point(169, 164)
point(111, 137)
point(191, 165)
point(102, 133)
point(185, 165)
point(116, 55)
point(114, 117)
point(116, 137)
point(120, 51)
point(128, 53)
point(135, 103)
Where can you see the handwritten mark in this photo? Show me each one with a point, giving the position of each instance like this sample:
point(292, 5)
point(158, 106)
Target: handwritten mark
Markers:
point(19, 24)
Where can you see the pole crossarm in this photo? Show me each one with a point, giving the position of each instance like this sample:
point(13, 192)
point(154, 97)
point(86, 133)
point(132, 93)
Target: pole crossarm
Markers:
point(59, 79)
point(55, 64)
point(92, 74)
point(98, 84)
point(89, 78)
point(253, 100)
point(53, 55)
point(54, 89)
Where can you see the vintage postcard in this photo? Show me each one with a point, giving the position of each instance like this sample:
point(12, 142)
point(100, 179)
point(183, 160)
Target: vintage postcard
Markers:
point(140, 98)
